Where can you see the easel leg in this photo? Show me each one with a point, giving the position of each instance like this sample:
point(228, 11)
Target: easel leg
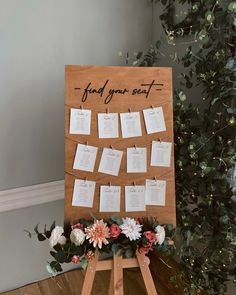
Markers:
point(118, 275)
point(111, 287)
point(147, 276)
point(89, 276)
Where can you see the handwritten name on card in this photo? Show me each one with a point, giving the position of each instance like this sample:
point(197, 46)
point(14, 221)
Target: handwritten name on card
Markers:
point(161, 154)
point(80, 121)
point(83, 193)
point(154, 120)
point(135, 198)
point(155, 192)
point(136, 160)
point(130, 124)
point(85, 157)
point(110, 161)
point(108, 125)
point(109, 198)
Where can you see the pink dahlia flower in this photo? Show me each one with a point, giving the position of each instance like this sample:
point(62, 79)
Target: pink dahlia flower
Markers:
point(97, 233)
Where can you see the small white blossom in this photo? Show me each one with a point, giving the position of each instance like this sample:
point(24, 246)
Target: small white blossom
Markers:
point(131, 228)
point(77, 236)
point(57, 237)
point(160, 234)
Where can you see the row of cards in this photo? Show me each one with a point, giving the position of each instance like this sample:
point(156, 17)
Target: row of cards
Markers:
point(80, 123)
point(136, 196)
point(85, 158)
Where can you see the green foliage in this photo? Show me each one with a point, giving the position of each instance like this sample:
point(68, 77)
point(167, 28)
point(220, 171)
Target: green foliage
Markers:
point(80, 252)
point(204, 140)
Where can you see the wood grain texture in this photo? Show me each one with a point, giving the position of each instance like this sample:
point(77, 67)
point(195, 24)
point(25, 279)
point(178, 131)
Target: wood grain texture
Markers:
point(119, 77)
point(70, 283)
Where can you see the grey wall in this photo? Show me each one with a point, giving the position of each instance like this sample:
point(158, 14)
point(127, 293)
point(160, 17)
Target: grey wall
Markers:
point(37, 39)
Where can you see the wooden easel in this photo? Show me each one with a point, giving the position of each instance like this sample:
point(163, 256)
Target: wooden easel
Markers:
point(116, 265)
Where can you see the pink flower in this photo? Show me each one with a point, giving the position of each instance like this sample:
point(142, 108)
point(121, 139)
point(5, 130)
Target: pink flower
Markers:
point(115, 231)
point(77, 225)
point(89, 255)
point(151, 236)
point(97, 233)
point(75, 259)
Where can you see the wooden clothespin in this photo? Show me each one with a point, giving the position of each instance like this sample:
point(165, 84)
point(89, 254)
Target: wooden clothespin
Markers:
point(107, 110)
point(129, 110)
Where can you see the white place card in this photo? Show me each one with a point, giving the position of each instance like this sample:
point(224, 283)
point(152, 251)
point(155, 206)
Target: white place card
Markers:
point(155, 192)
point(83, 193)
point(135, 198)
point(154, 120)
point(108, 125)
point(161, 154)
point(130, 124)
point(109, 198)
point(110, 161)
point(85, 157)
point(136, 160)
point(80, 121)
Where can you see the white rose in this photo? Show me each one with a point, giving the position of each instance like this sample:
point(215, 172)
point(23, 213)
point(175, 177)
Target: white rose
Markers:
point(160, 234)
point(77, 236)
point(57, 237)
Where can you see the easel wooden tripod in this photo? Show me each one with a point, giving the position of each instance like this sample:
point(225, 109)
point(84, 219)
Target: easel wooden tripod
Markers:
point(116, 265)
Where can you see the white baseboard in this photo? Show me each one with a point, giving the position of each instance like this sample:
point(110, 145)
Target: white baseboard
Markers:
point(31, 195)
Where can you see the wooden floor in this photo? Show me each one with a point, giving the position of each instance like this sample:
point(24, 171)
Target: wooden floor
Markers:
point(70, 283)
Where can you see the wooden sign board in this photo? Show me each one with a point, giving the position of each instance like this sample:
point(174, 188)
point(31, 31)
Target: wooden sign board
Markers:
point(118, 90)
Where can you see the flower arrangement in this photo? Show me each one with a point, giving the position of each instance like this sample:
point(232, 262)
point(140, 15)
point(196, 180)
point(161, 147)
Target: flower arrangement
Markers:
point(78, 242)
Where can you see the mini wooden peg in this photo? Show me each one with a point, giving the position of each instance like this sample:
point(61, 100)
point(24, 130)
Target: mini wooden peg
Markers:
point(109, 183)
point(81, 107)
point(152, 106)
point(107, 110)
point(135, 146)
point(85, 179)
point(111, 146)
point(155, 178)
point(134, 183)
point(129, 110)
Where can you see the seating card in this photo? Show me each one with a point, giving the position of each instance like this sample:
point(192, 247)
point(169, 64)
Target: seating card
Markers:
point(85, 157)
point(161, 154)
point(83, 193)
point(155, 192)
point(135, 198)
point(154, 120)
point(80, 121)
point(109, 198)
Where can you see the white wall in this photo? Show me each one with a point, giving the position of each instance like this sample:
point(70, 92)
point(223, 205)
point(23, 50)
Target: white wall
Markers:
point(37, 39)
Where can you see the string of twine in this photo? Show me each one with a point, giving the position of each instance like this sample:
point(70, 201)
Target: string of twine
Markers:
point(109, 183)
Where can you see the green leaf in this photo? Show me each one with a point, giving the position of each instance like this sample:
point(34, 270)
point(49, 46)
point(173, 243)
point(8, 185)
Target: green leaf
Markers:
point(28, 233)
point(129, 253)
point(52, 226)
point(41, 237)
point(83, 263)
point(36, 229)
point(117, 219)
